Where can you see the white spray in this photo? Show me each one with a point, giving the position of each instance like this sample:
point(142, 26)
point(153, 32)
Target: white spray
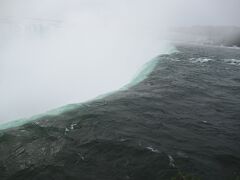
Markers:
point(88, 50)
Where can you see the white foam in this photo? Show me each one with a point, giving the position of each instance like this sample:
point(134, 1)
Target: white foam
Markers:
point(200, 60)
point(72, 126)
point(171, 161)
point(232, 61)
point(66, 130)
point(152, 149)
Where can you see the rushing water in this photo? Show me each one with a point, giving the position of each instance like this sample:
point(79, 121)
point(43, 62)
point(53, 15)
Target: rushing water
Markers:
point(182, 119)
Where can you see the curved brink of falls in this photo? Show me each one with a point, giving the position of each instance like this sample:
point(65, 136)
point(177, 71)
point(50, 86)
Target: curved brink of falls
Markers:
point(140, 76)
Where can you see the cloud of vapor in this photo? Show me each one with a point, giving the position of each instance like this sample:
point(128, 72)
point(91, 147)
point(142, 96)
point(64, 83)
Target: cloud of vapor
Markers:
point(55, 52)
point(93, 48)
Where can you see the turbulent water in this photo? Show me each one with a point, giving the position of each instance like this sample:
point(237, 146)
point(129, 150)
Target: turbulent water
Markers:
point(182, 120)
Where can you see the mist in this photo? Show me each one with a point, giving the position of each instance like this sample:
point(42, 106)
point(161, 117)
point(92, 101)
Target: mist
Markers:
point(57, 52)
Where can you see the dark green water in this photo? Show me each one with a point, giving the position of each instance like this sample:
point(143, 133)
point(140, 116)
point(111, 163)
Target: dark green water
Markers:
point(184, 118)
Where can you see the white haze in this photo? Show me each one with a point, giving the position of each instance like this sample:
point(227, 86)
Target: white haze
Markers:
point(93, 48)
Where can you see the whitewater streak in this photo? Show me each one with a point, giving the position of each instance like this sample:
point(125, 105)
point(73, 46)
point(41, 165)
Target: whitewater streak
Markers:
point(86, 55)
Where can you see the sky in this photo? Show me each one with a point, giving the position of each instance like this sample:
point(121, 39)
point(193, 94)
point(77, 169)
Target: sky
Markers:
point(98, 47)
point(175, 12)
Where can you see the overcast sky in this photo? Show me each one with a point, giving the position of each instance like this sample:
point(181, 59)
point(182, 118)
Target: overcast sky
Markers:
point(174, 12)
